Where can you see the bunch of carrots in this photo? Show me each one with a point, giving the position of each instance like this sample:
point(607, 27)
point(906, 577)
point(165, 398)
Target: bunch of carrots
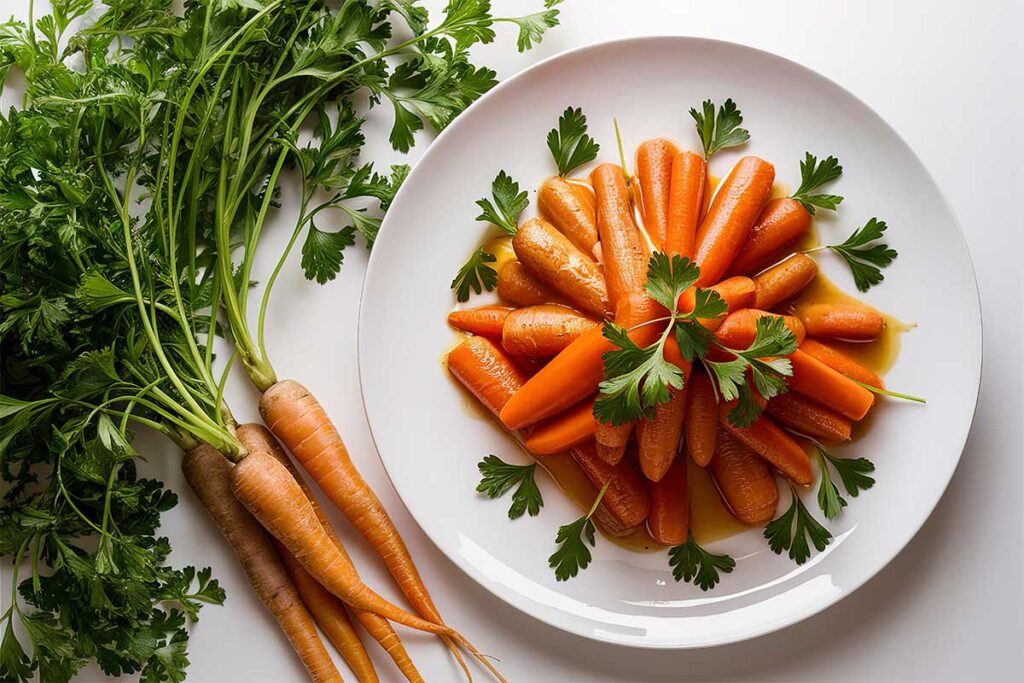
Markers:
point(541, 359)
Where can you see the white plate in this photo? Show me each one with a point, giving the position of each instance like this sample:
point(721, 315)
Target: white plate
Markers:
point(430, 446)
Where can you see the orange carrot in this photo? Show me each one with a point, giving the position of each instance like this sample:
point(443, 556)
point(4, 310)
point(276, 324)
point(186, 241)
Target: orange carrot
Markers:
point(562, 204)
point(658, 437)
point(840, 362)
point(552, 258)
point(654, 173)
point(563, 431)
point(611, 440)
point(701, 423)
point(669, 519)
point(625, 497)
point(209, 475)
point(783, 281)
point(542, 330)
point(737, 292)
point(802, 415)
point(781, 223)
point(685, 203)
point(738, 330)
point(744, 481)
point(817, 381)
point(486, 320)
point(486, 371)
point(725, 228)
point(518, 286)
point(838, 321)
point(772, 444)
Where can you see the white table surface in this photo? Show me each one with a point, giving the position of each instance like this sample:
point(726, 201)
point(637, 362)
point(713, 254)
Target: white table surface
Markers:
point(948, 76)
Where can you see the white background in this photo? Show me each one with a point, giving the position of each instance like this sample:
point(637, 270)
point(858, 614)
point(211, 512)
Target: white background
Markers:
point(948, 76)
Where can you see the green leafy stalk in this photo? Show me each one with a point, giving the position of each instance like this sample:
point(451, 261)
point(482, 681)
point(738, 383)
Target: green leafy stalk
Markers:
point(791, 530)
point(508, 203)
point(691, 563)
point(497, 477)
point(865, 254)
point(570, 145)
point(719, 127)
point(572, 539)
point(812, 176)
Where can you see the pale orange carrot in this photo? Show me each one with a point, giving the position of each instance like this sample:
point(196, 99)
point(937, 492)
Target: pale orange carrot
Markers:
point(654, 173)
point(686, 201)
point(669, 519)
point(840, 362)
point(783, 281)
point(562, 204)
point(737, 293)
point(766, 439)
point(839, 321)
point(518, 286)
point(738, 330)
point(817, 381)
point(563, 431)
point(803, 416)
point(543, 330)
point(611, 440)
point(625, 497)
point(486, 371)
point(780, 224)
point(486, 320)
point(701, 423)
point(744, 480)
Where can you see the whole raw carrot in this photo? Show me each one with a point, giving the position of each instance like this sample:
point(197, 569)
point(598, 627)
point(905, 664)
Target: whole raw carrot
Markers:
point(701, 423)
point(542, 330)
point(209, 475)
point(838, 321)
point(518, 286)
point(783, 281)
point(555, 261)
point(685, 202)
point(486, 320)
point(834, 390)
point(744, 480)
point(486, 371)
point(803, 416)
point(561, 203)
point(725, 228)
point(840, 362)
point(625, 497)
point(738, 329)
point(563, 431)
point(766, 439)
point(654, 172)
point(610, 440)
point(669, 519)
point(737, 292)
point(781, 223)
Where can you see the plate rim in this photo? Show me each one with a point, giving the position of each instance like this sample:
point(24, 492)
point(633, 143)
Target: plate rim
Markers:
point(793, 617)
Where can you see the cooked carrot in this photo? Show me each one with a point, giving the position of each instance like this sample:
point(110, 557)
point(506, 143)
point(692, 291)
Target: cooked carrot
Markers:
point(744, 480)
point(542, 330)
point(766, 439)
point(209, 475)
point(669, 519)
point(838, 321)
point(834, 390)
point(518, 286)
point(486, 320)
point(783, 281)
point(802, 415)
point(562, 204)
point(840, 362)
point(486, 371)
point(654, 172)
point(563, 431)
point(555, 261)
point(658, 437)
point(610, 440)
point(685, 202)
point(738, 330)
point(625, 497)
point(781, 223)
point(737, 292)
point(701, 423)
point(725, 228)
point(528, 365)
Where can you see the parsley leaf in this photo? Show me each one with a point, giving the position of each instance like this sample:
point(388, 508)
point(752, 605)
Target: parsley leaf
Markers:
point(865, 259)
point(573, 554)
point(829, 499)
point(636, 379)
point(690, 562)
point(570, 145)
point(854, 472)
point(719, 130)
point(790, 531)
point(499, 476)
point(667, 278)
point(533, 26)
point(475, 275)
point(509, 202)
point(812, 176)
point(323, 252)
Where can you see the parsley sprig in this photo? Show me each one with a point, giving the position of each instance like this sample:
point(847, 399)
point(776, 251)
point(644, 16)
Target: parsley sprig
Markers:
point(692, 563)
point(570, 145)
point(476, 275)
point(791, 530)
point(812, 176)
point(855, 474)
point(533, 26)
point(719, 127)
point(573, 554)
point(865, 254)
point(508, 203)
point(499, 476)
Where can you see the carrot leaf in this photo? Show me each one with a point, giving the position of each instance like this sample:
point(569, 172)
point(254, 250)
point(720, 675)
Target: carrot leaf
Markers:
point(691, 563)
point(865, 255)
point(499, 476)
point(570, 145)
point(812, 176)
point(719, 128)
point(573, 554)
point(323, 252)
point(508, 203)
point(475, 275)
point(791, 530)
point(533, 26)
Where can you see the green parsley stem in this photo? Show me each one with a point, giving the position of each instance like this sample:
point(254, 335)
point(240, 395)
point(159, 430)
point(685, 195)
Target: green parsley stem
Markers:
point(894, 394)
point(597, 501)
point(622, 155)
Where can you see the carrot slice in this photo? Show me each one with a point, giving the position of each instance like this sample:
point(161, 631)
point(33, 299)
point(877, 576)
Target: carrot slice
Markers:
point(701, 423)
point(802, 415)
point(783, 281)
point(625, 497)
point(542, 330)
point(839, 321)
point(669, 519)
point(685, 203)
point(654, 172)
point(766, 439)
point(486, 371)
point(561, 203)
point(840, 362)
point(744, 481)
point(486, 320)
point(817, 381)
point(780, 224)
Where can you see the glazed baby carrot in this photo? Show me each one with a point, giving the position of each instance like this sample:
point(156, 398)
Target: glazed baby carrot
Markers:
point(669, 519)
point(486, 371)
point(701, 422)
point(738, 329)
point(658, 437)
point(744, 480)
point(625, 497)
point(624, 251)
point(780, 224)
point(654, 172)
point(486, 320)
point(737, 292)
point(802, 415)
point(552, 258)
point(518, 286)
point(783, 281)
point(725, 228)
point(542, 330)
point(610, 440)
point(563, 431)
point(819, 382)
point(771, 443)
point(840, 362)
point(855, 323)
point(685, 202)
point(562, 204)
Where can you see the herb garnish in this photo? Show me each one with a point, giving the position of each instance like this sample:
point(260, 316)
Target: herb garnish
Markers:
point(508, 203)
point(791, 530)
point(854, 474)
point(865, 255)
point(690, 562)
point(533, 26)
point(475, 275)
point(572, 539)
point(499, 476)
point(719, 128)
point(570, 145)
point(812, 176)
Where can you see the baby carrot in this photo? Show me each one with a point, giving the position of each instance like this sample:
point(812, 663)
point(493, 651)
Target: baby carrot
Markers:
point(840, 362)
point(819, 382)
point(669, 519)
point(518, 286)
point(486, 320)
point(737, 292)
point(771, 443)
point(725, 228)
point(855, 323)
point(685, 202)
point(701, 423)
point(611, 440)
point(555, 261)
point(658, 437)
point(625, 497)
point(803, 416)
point(542, 330)
point(654, 172)
point(744, 480)
point(783, 281)
point(486, 371)
point(560, 202)
point(780, 224)
point(563, 431)
point(738, 329)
